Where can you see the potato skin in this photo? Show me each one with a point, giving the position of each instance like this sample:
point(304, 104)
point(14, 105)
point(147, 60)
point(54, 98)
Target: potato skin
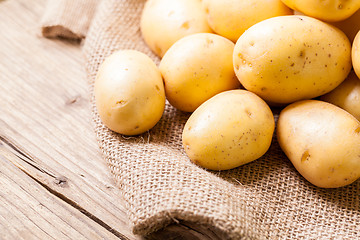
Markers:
point(289, 58)
point(330, 10)
point(129, 92)
point(230, 18)
point(346, 95)
point(230, 129)
point(322, 142)
point(196, 68)
point(163, 22)
point(350, 26)
point(355, 54)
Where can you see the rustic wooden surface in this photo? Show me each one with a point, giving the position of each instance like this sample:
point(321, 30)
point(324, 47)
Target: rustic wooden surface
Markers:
point(54, 183)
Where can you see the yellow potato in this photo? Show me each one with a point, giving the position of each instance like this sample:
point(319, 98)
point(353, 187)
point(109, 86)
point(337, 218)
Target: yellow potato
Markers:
point(230, 18)
point(163, 22)
point(322, 142)
point(346, 95)
point(329, 10)
point(290, 58)
point(230, 129)
point(129, 92)
point(196, 68)
point(355, 54)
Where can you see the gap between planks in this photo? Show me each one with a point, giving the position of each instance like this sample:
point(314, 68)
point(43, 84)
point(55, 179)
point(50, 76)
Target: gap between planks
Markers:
point(24, 161)
point(19, 157)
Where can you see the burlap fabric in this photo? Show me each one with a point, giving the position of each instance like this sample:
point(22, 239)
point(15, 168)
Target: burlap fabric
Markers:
point(265, 199)
point(68, 18)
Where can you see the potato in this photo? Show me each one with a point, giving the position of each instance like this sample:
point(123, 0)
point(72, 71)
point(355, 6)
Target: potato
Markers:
point(355, 54)
point(230, 18)
point(322, 142)
point(163, 22)
point(230, 129)
point(329, 10)
point(289, 58)
point(346, 95)
point(129, 92)
point(196, 68)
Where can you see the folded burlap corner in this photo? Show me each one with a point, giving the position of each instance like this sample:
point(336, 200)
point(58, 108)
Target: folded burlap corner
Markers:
point(68, 18)
point(265, 199)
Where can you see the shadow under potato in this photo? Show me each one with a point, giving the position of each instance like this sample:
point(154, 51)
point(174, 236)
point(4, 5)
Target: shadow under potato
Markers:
point(272, 176)
point(278, 195)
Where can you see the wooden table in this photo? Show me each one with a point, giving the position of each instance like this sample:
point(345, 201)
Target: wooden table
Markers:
point(54, 183)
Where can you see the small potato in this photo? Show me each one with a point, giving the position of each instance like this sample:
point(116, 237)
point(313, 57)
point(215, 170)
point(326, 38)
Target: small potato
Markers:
point(346, 95)
point(329, 10)
point(355, 54)
point(230, 18)
point(289, 58)
point(196, 68)
point(163, 22)
point(230, 129)
point(129, 92)
point(322, 141)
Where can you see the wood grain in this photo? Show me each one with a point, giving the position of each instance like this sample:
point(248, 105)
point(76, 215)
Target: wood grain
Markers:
point(29, 211)
point(54, 182)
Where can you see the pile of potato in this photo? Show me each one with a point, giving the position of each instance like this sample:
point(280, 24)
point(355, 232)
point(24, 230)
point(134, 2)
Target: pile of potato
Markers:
point(229, 62)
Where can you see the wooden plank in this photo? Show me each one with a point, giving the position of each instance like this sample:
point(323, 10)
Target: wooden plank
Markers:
point(54, 182)
point(45, 110)
point(30, 211)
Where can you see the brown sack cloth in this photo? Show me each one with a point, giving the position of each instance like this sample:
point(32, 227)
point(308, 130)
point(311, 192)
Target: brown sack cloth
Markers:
point(265, 199)
point(68, 18)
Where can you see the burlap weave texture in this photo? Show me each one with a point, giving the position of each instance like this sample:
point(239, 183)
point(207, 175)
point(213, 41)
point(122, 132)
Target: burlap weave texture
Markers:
point(265, 199)
point(68, 18)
